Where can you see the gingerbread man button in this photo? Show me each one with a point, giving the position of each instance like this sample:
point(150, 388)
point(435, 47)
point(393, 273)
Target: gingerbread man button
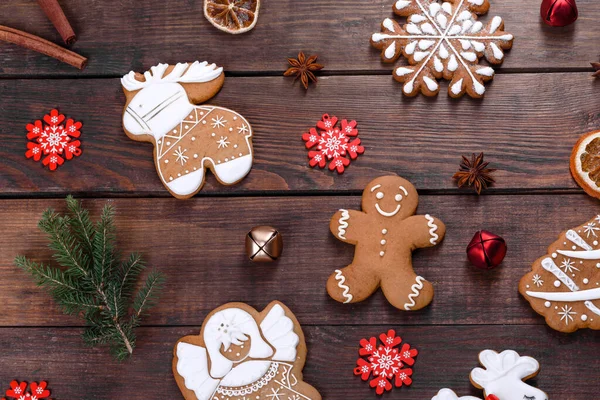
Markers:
point(385, 234)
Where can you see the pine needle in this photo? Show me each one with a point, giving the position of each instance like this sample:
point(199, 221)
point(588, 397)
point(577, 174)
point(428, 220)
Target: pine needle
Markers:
point(90, 281)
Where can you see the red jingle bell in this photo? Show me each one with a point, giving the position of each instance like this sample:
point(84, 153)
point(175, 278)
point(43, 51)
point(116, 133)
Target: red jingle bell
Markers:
point(486, 250)
point(559, 12)
point(492, 397)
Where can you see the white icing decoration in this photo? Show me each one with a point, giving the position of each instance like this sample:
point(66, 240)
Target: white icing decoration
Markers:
point(434, 8)
point(496, 21)
point(469, 56)
point(425, 44)
point(547, 304)
point(417, 19)
point(447, 7)
point(410, 48)
point(503, 375)
point(452, 64)
point(581, 295)
point(477, 26)
point(447, 394)
point(346, 290)
point(416, 290)
point(557, 284)
point(551, 267)
point(583, 255)
point(485, 71)
point(385, 213)
point(401, 71)
point(343, 224)
point(432, 85)
point(464, 15)
point(390, 52)
point(437, 63)
point(478, 46)
point(476, 2)
point(433, 227)
point(413, 29)
point(455, 30)
point(457, 87)
point(465, 44)
point(420, 55)
point(586, 281)
point(408, 87)
point(428, 29)
point(584, 317)
point(400, 4)
point(442, 20)
point(590, 306)
point(498, 54)
point(479, 88)
point(466, 26)
point(388, 24)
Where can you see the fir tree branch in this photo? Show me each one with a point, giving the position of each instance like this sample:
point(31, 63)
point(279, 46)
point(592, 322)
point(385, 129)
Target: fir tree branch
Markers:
point(146, 297)
point(82, 226)
point(93, 283)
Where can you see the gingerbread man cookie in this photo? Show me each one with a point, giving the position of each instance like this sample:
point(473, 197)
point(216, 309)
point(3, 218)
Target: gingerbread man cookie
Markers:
point(385, 233)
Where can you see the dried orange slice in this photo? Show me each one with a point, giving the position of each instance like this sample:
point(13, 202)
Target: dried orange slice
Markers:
point(232, 16)
point(585, 163)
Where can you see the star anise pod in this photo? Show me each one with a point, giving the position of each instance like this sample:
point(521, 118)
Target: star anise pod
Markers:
point(474, 173)
point(596, 66)
point(303, 68)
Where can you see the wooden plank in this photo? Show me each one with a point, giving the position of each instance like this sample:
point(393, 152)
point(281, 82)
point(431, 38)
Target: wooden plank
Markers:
point(137, 35)
point(446, 357)
point(199, 245)
point(528, 139)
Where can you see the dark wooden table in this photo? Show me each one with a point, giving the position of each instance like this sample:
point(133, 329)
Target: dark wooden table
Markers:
point(540, 102)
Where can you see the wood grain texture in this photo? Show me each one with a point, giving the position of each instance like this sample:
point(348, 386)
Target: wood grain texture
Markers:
point(447, 354)
point(134, 34)
point(528, 138)
point(199, 245)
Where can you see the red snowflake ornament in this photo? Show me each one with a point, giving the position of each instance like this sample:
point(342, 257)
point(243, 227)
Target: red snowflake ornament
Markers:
point(36, 391)
point(53, 140)
point(385, 363)
point(333, 144)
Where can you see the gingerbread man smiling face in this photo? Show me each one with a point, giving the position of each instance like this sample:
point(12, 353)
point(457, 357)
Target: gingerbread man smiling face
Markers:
point(385, 234)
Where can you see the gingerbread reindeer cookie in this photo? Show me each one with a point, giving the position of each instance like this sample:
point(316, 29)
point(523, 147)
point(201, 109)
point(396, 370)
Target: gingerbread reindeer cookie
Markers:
point(161, 109)
point(244, 354)
point(385, 234)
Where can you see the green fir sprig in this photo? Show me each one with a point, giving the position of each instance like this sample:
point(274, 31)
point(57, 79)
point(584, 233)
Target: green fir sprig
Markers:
point(91, 281)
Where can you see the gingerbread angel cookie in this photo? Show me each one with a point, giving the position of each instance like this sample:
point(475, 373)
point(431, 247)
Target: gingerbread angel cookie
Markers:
point(161, 109)
point(564, 285)
point(501, 378)
point(385, 234)
point(244, 354)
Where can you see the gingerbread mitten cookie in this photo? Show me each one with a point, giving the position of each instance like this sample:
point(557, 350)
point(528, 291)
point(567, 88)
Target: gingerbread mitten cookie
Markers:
point(563, 285)
point(244, 354)
point(385, 233)
point(161, 108)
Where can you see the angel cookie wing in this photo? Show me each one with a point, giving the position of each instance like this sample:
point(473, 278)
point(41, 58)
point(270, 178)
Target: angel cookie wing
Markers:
point(279, 332)
point(192, 365)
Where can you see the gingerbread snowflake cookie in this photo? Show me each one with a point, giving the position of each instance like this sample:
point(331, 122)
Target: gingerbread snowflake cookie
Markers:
point(443, 40)
point(501, 378)
point(244, 354)
point(161, 108)
point(564, 285)
point(385, 233)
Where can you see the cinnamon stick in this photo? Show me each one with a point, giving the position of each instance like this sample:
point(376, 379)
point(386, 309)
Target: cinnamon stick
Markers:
point(43, 46)
point(58, 18)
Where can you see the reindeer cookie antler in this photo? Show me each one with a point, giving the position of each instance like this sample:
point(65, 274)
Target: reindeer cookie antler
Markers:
point(501, 378)
point(162, 108)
